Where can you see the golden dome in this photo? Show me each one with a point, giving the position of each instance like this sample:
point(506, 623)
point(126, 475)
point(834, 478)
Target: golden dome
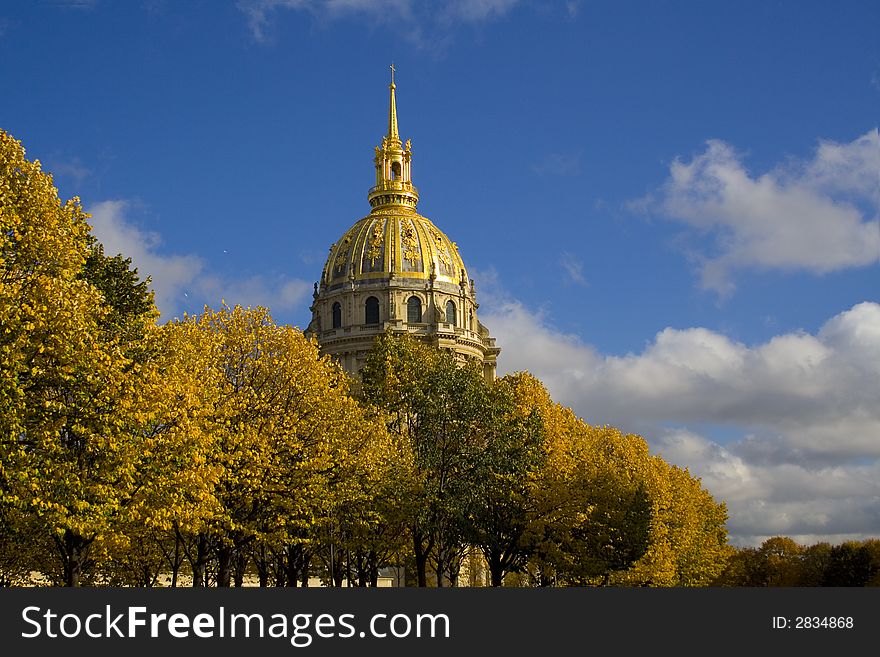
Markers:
point(389, 244)
point(394, 270)
point(393, 242)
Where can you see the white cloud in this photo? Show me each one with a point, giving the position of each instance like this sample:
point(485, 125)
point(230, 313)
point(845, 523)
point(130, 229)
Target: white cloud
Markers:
point(475, 11)
point(418, 17)
point(260, 12)
point(573, 268)
point(185, 282)
point(817, 216)
point(558, 164)
point(802, 410)
point(71, 171)
point(819, 503)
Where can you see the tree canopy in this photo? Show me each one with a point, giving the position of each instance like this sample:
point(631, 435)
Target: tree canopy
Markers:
point(223, 445)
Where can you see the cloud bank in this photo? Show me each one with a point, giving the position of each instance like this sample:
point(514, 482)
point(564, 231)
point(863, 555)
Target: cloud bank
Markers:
point(818, 216)
point(185, 282)
point(787, 431)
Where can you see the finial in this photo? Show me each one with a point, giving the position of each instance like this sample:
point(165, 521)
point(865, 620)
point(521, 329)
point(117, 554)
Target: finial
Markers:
point(393, 133)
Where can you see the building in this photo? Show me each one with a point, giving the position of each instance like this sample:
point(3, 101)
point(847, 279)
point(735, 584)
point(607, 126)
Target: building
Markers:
point(394, 270)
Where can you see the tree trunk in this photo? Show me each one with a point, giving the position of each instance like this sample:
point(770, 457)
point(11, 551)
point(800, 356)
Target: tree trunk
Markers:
point(175, 565)
point(421, 562)
point(262, 564)
point(200, 566)
point(453, 575)
point(496, 571)
point(304, 582)
point(439, 570)
point(337, 571)
point(360, 568)
point(280, 570)
point(74, 551)
point(293, 562)
point(240, 566)
point(373, 568)
point(224, 565)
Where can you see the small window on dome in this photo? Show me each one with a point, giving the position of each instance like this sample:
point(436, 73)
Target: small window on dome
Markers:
point(414, 310)
point(395, 171)
point(337, 315)
point(371, 311)
point(450, 313)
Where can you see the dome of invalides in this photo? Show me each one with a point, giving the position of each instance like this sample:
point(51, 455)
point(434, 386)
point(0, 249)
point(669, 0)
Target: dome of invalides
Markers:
point(389, 244)
point(394, 270)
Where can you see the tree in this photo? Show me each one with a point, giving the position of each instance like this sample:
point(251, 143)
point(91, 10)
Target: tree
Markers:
point(605, 518)
point(849, 564)
point(128, 299)
point(611, 513)
point(504, 501)
point(433, 408)
point(814, 563)
point(591, 515)
point(275, 442)
point(779, 561)
point(72, 403)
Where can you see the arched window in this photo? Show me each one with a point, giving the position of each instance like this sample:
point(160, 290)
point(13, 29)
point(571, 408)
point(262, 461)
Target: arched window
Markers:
point(395, 171)
point(414, 310)
point(450, 313)
point(337, 315)
point(371, 311)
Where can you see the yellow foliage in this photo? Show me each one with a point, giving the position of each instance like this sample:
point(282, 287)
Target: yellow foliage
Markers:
point(594, 481)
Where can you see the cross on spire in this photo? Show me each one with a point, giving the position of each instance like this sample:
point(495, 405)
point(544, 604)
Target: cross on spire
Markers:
point(392, 110)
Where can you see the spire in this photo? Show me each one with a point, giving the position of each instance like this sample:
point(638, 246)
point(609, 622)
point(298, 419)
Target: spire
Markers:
point(393, 133)
point(393, 162)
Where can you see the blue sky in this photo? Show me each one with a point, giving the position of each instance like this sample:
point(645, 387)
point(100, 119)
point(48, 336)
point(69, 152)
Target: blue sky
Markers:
point(670, 208)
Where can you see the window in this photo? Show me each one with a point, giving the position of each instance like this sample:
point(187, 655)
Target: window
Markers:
point(414, 310)
point(450, 313)
point(371, 308)
point(337, 315)
point(395, 171)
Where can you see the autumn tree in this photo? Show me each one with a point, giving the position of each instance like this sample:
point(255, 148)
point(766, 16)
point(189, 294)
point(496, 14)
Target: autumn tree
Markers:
point(590, 516)
point(504, 501)
point(73, 405)
point(780, 561)
point(275, 442)
point(850, 564)
point(434, 408)
point(128, 300)
point(814, 560)
point(370, 525)
point(615, 514)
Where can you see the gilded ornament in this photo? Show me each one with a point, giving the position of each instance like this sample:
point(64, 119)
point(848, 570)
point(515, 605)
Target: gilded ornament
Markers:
point(340, 260)
point(342, 255)
point(410, 244)
point(376, 239)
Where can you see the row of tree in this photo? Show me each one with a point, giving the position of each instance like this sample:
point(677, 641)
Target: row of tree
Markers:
point(781, 561)
point(223, 446)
